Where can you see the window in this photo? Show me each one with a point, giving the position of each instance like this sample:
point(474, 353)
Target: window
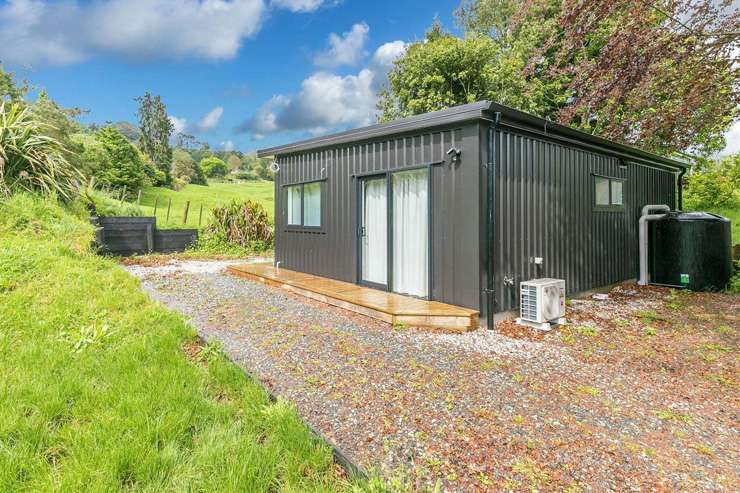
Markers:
point(312, 204)
point(303, 205)
point(609, 193)
point(294, 205)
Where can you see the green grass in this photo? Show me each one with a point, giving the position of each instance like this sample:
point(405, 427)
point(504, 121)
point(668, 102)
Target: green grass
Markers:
point(208, 196)
point(98, 393)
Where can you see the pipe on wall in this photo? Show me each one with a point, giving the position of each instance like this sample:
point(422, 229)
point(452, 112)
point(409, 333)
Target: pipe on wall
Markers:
point(490, 217)
point(680, 189)
point(646, 217)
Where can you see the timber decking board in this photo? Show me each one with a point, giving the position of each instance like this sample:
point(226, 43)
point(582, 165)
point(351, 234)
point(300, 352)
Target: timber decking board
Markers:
point(382, 305)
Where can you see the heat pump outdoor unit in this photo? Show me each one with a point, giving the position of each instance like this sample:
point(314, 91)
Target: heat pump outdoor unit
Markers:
point(542, 303)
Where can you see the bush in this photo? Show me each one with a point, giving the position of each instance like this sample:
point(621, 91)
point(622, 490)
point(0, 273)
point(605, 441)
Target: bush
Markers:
point(31, 160)
point(185, 170)
point(715, 185)
point(243, 176)
point(245, 224)
point(124, 166)
point(213, 167)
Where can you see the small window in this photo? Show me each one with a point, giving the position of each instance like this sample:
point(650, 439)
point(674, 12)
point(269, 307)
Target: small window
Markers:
point(602, 191)
point(616, 198)
point(609, 193)
point(303, 205)
point(294, 205)
point(312, 204)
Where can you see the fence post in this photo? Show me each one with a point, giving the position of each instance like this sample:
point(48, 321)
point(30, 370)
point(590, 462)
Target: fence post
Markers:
point(123, 194)
point(200, 215)
point(185, 216)
point(138, 198)
point(156, 202)
point(169, 204)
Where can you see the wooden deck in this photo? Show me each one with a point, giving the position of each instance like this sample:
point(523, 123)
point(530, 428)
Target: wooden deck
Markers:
point(388, 307)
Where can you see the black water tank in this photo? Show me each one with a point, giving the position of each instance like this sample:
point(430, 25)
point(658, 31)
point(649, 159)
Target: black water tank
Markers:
point(691, 250)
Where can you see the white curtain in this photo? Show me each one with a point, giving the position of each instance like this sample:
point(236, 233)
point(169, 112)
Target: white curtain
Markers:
point(410, 233)
point(294, 205)
point(375, 239)
point(312, 204)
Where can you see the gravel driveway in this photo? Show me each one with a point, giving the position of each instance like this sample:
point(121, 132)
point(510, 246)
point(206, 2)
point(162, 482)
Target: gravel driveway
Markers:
point(639, 393)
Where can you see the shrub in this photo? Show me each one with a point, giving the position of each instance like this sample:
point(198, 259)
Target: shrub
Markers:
point(185, 170)
point(245, 224)
point(715, 185)
point(213, 167)
point(31, 160)
point(124, 166)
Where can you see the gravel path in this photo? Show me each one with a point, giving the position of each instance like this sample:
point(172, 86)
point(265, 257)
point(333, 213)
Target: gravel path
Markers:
point(638, 394)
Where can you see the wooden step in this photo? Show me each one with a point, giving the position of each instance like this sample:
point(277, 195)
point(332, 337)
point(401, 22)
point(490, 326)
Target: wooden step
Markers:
point(389, 307)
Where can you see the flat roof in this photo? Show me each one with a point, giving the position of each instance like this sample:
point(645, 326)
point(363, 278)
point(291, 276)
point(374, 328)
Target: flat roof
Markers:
point(463, 113)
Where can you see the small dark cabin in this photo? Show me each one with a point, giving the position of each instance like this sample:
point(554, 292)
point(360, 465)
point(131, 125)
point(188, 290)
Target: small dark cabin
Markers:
point(434, 204)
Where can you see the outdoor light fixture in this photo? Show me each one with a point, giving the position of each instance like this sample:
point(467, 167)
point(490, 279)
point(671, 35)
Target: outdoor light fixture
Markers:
point(274, 167)
point(454, 154)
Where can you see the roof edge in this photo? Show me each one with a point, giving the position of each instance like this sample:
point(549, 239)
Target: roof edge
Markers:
point(462, 113)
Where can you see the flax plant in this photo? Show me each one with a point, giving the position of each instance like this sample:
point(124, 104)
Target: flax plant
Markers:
point(31, 160)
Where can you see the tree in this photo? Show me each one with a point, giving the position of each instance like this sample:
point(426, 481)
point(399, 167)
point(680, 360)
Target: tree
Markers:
point(663, 78)
point(717, 184)
point(213, 167)
point(233, 162)
point(156, 129)
point(185, 169)
point(9, 89)
point(128, 130)
point(123, 165)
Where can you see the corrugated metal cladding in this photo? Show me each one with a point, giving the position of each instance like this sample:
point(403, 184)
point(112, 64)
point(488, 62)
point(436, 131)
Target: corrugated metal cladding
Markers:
point(332, 252)
point(544, 199)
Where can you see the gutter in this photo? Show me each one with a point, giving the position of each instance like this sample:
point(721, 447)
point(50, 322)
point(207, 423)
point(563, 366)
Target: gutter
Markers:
point(490, 219)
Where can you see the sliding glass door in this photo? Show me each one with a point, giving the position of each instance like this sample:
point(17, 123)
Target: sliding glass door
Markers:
point(374, 231)
point(410, 232)
point(405, 267)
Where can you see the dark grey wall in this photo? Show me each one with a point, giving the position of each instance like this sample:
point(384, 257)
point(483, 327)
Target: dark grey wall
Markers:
point(333, 252)
point(544, 198)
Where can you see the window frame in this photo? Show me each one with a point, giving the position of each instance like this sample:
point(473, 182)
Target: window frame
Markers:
point(611, 207)
point(302, 227)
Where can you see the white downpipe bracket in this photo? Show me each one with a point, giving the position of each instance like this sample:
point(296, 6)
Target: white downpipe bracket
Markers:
point(643, 239)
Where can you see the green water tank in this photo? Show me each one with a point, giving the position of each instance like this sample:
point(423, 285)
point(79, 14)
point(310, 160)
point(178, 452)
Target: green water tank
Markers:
point(691, 250)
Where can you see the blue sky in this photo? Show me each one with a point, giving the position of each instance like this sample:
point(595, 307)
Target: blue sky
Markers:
point(247, 73)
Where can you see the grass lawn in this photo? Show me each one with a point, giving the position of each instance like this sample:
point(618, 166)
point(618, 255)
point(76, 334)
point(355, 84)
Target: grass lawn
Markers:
point(104, 390)
point(208, 196)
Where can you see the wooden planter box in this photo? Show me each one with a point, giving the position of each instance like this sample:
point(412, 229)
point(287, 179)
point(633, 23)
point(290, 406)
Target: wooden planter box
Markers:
point(139, 235)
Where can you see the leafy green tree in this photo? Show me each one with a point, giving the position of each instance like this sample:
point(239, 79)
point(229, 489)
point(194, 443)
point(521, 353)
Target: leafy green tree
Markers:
point(185, 169)
point(9, 89)
point(156, 129)
point(123, 165)
point(214, 167)
point(258, 166)
point(662, 77)
point(716, 185)
point(233, 162)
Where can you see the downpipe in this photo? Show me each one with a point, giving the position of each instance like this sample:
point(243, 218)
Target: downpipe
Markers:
point(647, 216)
point(490, 213)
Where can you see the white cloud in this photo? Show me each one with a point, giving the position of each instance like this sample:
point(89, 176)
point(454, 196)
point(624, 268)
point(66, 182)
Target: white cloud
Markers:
point(227, 145)
point(298, 5)
point(209, 120)
point(387, 54)
point(68, 31)
point(733, 140)
point(347, 49)
point(179, 124)
point(326, 101)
